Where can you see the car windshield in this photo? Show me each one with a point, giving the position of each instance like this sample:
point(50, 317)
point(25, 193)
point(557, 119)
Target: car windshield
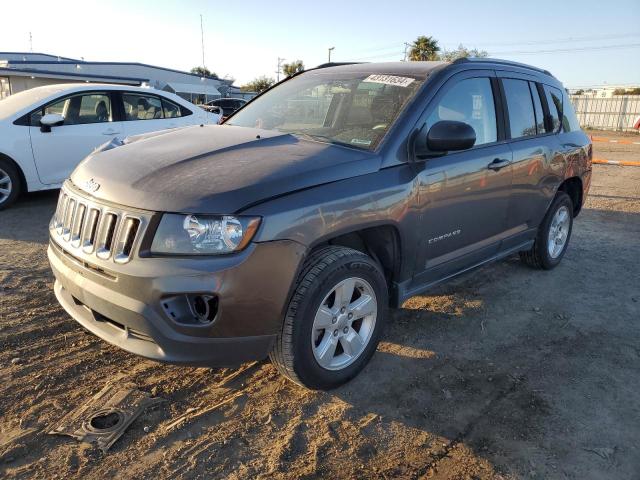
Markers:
point(18, 101)
point(353, 109)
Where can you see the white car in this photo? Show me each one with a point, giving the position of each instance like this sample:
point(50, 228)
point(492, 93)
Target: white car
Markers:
point(46, 131)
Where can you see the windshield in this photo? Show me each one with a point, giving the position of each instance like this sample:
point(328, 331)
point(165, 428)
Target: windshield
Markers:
point(16, 102)
point(354, 109)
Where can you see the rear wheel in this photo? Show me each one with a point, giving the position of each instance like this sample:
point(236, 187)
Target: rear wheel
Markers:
point(553, 236)
point(9, 183)
point(334, 320)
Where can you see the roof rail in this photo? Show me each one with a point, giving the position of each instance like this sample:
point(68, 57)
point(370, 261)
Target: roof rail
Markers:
point(337, 64)
point(501, 62)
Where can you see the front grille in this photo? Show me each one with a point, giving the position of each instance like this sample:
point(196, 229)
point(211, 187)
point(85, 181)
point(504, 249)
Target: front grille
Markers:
point(109, 233)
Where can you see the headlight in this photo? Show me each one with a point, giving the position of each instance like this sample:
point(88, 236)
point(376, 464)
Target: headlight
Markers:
point(203, 234)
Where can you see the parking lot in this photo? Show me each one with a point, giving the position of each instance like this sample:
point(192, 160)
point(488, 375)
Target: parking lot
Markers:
point(506, 372)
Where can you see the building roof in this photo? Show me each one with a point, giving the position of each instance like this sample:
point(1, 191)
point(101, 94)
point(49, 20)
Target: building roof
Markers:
point(193, 88)
point(31, 72)
point(83, 62)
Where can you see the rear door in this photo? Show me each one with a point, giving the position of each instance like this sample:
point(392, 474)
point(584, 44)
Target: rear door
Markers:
point(536, 160)
point(89, 122)
point(464, 195)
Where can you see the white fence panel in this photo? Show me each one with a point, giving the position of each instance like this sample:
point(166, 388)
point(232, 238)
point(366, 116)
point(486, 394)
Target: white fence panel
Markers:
point(620, 112)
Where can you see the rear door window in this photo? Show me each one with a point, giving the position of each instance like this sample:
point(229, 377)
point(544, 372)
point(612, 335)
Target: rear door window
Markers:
point(522, 119)
point(537, 106)
point(141, 107)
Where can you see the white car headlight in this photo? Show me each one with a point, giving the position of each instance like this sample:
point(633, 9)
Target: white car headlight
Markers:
point(203, 234)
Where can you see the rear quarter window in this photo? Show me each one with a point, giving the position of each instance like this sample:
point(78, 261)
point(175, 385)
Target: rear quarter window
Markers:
point(554, 101)
point(570, 121)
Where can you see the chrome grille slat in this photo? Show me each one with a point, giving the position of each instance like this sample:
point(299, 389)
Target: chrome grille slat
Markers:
point(68, 219)
point(125, 239)
point(78, 221)
point(108, 228)
point(108, 233)
point(90, 230)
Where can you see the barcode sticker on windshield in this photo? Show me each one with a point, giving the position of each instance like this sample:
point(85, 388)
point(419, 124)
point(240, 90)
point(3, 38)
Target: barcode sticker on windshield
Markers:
point(390, 80)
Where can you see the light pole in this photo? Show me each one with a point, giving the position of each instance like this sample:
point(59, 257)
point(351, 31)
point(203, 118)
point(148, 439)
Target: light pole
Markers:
point(280, 60)
point(330, 48)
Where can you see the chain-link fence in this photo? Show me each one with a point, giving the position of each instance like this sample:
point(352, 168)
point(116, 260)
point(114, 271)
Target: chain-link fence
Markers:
point(620, 112)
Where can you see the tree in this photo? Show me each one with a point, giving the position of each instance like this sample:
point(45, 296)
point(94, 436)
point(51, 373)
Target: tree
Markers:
point(292, 68)
point(259, 84)
point(580, 91)
point(462, 52)
point(424, 48)
point(625, 91)
point(204, 72)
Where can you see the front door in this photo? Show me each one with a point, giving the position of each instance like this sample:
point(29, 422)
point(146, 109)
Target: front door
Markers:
point(88, 123)
point(464, 196)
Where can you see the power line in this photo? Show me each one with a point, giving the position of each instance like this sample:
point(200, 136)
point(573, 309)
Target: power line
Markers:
point(561, 50)
point(399, 45)
point(558, 40)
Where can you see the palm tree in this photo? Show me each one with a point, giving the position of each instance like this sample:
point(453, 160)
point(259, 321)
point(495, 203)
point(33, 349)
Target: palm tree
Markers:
point(424, 48)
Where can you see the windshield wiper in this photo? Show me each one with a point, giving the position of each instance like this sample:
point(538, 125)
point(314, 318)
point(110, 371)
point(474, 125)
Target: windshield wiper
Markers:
point(324, 138)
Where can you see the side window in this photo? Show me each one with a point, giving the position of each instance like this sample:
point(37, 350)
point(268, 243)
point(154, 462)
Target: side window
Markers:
point(522, 120)
point(78, 109)
point(554, 100)
point(537, 106)
point(570, 122)
point(469, 101)
point(171, 110)
point(141, 107)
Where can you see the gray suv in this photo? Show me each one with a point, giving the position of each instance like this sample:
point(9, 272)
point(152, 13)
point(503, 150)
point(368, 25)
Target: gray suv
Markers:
point(288, 231)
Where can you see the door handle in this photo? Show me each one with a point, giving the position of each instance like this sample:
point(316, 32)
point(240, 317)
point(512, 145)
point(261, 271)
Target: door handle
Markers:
point(110, 131)
point(498, 163)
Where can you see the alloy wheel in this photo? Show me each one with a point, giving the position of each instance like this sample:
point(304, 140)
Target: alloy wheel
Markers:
point(344, 323)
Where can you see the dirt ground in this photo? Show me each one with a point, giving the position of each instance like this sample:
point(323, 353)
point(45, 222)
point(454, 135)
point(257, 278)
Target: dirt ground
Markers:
point(504, 373)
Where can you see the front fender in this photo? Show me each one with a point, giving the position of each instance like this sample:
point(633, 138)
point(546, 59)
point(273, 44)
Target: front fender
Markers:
point(318, 214)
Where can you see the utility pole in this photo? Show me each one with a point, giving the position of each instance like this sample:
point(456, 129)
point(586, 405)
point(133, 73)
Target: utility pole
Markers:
point(330, 48)
point(202, 38)
point(406, 46)
point(280, 60)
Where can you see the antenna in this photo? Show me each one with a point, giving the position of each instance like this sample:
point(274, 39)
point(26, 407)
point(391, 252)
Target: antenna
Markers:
point(30, 42)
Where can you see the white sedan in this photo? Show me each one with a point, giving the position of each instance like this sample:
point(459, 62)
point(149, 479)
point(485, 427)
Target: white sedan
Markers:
point(46, 131)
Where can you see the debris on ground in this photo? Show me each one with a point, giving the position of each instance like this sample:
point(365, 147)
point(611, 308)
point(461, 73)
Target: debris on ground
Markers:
point(106, 416)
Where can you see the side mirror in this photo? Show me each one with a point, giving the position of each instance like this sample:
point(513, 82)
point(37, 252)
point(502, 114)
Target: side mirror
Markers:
point(51, 120)
point(215, 109)
point(448, 135)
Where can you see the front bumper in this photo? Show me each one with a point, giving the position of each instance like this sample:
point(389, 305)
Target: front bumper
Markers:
point(122, 304)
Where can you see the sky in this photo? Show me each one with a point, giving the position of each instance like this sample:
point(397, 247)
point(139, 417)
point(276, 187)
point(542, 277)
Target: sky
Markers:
point(583, 43)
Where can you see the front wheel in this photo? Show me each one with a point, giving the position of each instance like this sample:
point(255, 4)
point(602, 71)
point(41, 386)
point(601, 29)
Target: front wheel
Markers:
point(553, 236)
point(334, 320)
point(9, 183)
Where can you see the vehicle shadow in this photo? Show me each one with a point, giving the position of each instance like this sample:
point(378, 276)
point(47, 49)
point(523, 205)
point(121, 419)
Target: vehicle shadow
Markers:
point(27, 219)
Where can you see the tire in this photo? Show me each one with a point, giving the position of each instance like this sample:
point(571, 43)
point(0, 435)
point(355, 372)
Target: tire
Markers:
point(545, 254)
point(325, 278)
point(9, 183)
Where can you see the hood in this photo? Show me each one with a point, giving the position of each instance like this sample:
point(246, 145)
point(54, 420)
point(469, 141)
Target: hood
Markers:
point(215, 169)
